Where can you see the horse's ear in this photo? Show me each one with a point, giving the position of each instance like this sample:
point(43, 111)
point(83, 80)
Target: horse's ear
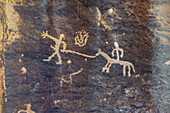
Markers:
point(99, 50)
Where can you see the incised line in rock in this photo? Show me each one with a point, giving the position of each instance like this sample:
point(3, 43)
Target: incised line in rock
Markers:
point(69, 81)
point(81, 54)
point(28, 106)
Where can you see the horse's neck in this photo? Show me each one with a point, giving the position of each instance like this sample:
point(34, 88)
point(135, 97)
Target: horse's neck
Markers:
point(105, 55)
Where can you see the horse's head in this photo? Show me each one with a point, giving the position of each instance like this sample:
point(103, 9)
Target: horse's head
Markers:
point(99, 52)
point(28, 106)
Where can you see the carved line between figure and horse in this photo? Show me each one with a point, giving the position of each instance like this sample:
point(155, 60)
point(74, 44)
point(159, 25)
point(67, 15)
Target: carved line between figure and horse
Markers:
point(110, 60)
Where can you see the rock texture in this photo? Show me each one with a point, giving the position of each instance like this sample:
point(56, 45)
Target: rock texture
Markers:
point(84, 56)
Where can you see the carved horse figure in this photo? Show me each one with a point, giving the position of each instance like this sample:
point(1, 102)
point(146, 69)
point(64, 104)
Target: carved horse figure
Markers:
point(111, 61)
point(56, 47)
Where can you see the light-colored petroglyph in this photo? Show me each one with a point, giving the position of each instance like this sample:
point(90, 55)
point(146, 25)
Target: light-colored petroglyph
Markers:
point(19, 60)
point(117, 51)
point(111, 61)
point(128, 65)
point(28, 106)
point(168, 62)
point(24, 70)
point(60, 101)
point(56, 47)
point(70, 77)
point(69, 61)
point(81, 38)
point(81, 54)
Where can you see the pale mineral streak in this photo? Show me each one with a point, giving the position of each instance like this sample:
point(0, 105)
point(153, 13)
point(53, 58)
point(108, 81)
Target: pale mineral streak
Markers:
point(13, 20)
point(101, 22)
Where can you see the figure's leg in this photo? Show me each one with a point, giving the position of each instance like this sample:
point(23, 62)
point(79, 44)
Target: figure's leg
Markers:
point(59, 59)
point(124, 70)
point(50, 57)
point(105, 67)
point(129, 69)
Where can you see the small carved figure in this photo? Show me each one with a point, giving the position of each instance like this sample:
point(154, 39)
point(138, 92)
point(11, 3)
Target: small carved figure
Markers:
point(69, 81)
point(117, 51)
point(28, 106)
point(24, 70)
point(56, 47)
point(81, 38)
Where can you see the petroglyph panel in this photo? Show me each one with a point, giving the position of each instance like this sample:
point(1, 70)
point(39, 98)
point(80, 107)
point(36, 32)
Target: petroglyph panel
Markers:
point(84, 56)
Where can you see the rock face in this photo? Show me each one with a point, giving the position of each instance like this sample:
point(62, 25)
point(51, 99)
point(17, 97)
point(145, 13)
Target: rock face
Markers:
point(84, 56)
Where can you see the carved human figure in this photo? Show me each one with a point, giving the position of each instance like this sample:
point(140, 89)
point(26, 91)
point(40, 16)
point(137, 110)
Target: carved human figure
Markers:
point(28, 106)
point(56, 47)
point(117, 50)
point(111, 61)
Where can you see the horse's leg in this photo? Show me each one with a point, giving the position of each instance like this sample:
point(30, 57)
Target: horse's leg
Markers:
point(124, 70)
point(108, 68)
point(133, 68)
point(105, 68)
point(129, 69)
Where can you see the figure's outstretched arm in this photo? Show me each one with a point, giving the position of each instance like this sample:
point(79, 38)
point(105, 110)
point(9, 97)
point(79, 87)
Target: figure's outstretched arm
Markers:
point(113, 52)
point(122, 53)
point(64, 45)
point(44, 34)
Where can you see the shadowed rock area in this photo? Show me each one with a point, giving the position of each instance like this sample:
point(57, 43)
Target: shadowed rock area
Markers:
point(81, 81)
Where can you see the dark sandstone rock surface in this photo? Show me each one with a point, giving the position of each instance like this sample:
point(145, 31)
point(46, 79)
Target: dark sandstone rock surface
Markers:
point(141, 28)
